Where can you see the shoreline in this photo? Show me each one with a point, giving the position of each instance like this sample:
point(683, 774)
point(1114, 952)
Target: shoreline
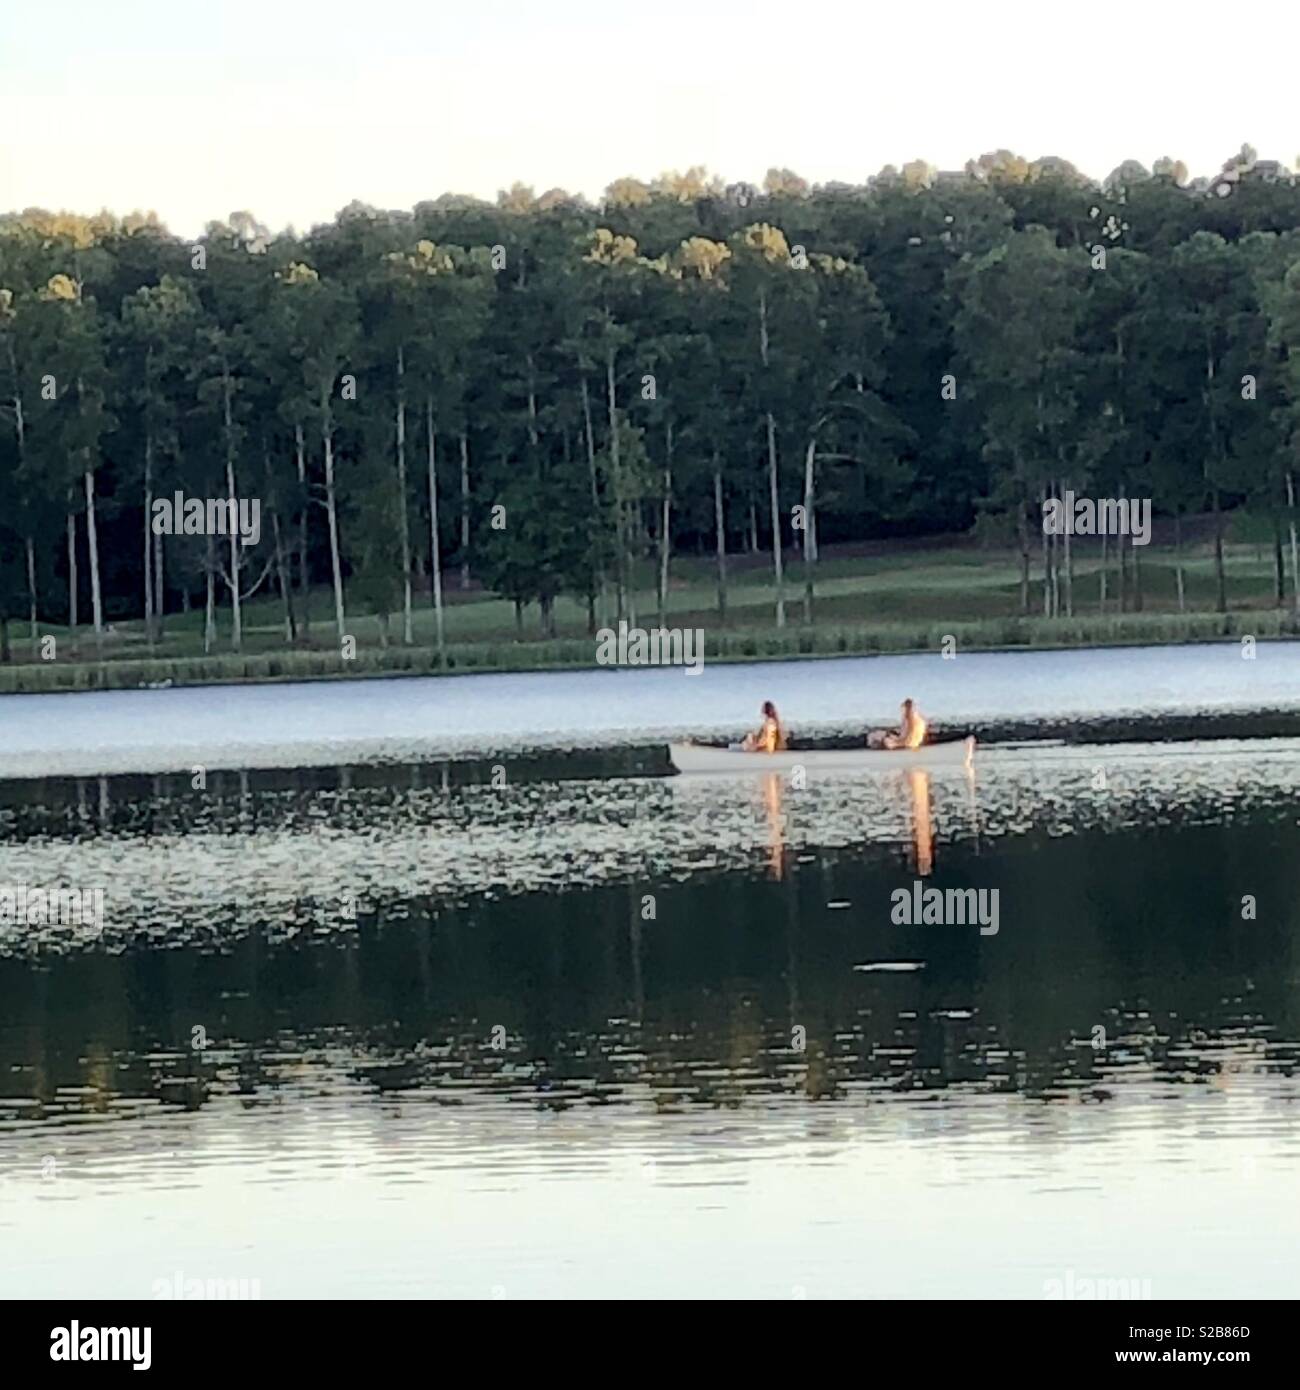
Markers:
point(579, 654)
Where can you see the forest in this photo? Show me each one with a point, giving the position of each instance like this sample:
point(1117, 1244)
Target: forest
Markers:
point(540, 396)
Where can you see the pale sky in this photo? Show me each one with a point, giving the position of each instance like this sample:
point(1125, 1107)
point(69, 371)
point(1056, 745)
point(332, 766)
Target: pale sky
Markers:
point(293, 110)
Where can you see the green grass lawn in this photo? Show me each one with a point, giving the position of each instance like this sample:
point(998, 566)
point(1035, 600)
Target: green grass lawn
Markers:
point(902, 597)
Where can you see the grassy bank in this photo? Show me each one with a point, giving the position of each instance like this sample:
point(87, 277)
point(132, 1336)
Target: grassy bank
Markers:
point(572, 653)
point(883, 598)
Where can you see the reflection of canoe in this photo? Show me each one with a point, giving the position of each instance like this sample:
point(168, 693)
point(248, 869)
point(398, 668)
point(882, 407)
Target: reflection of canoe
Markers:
point(696, 757)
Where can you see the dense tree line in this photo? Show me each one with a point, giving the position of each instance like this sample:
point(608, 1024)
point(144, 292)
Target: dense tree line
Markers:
point(540, 395)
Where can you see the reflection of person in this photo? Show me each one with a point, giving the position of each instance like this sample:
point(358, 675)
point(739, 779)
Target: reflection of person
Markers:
point(775, 824)
point(909, 734)
point(918, 782)
point(770, 737)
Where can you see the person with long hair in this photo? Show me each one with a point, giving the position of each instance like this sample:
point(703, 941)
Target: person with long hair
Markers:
point(769, 737)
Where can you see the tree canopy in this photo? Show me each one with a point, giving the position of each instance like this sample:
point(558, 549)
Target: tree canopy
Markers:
point(540, 394)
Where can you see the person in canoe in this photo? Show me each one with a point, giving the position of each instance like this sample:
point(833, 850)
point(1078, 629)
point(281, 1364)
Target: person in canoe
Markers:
point(769, 737)
point(909, 734)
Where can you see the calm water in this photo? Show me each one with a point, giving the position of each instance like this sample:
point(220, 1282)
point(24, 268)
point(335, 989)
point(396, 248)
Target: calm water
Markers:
point(328, 723)
point(621, 1034)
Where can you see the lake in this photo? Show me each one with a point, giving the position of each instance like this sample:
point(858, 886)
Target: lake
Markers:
point(383, 720)
point(413, 1001)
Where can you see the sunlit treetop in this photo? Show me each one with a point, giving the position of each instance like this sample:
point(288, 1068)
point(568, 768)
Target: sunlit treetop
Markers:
point(764, 241)
point(558, 198)
point(296, 273)
point(517, 198)
point(701, 257)
point(607, 248)
point(695, 183)
point(59, 288)
point(999, 166)
point(1166, 168)
point(69, 227)
point(785, 181)
point(629, 193)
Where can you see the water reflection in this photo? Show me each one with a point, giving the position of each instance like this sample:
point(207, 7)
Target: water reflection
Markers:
point(918, 783)
point(502, 1010)
point(527, 906)
point(318, 854)
point(772, 784)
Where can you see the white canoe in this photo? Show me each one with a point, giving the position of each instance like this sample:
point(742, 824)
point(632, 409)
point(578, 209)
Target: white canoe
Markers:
point(698, 757)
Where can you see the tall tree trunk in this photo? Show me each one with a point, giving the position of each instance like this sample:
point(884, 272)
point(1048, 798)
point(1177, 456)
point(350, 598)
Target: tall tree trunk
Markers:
point(72, 569)
point(210, 613)
point(1295, 557)
point(331, 507)
point(403, 520)
point(720, 528)
point(283, 578)
point(1022, 529)
point(1046, 542)
point(594, 483)
point(20, 434)
point(1212, 455)
point(665, 532)
point(1069, 571)
point(1178, 560)
point(1137, 576)
point(435, 544)
point(92, 540)
point(236, 611)
point(464, 509)
point(159, 551)
point(809, 540)
point(304, 556)
point(753, 528)
point(1101, 602)
point(1122, 550)
point(1220, 574)
point(236, 606)
point(1279, 569)
point(615, 466)
point(772, 471)
point(778, 572)
point(33, 620)
point(148, 534)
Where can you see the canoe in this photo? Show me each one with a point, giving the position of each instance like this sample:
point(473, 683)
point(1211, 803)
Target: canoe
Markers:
point(698, 757)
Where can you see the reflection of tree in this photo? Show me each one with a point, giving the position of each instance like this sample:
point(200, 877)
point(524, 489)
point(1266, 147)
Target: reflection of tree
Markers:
point(698, 1003)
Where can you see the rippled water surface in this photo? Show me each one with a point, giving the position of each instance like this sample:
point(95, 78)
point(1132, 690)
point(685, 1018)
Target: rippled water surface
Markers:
point(544, 1026)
